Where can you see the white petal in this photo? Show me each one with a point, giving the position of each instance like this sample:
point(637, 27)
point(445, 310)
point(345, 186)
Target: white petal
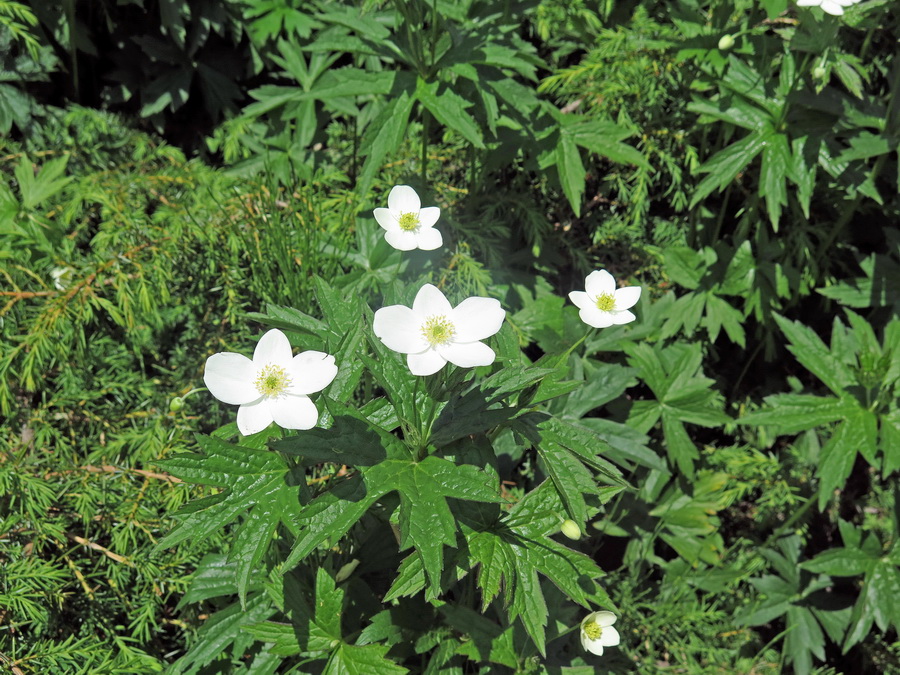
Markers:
point(425, 363)
point(623, 317)
point(429, 216)
point(386, 220)
point(593, 646)
point(229, 377)
point(832, 8)
point(294, 412)
point(254, 417)
point(311, 371)
point(429, 239)
point(627, 297)
point(431, 302)
point(400, 328)
point(603, 618)
point(809, 3)
point(596, 318)
point(609, 637)
point(273, 347)
point(581, 299)
point(403, 199)
point(600, 283)
point(401, 239)
point(476, 319)
point(468, 354)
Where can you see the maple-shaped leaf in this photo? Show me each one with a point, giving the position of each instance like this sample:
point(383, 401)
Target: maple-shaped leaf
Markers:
point(426, 521)
point(510, 553)
point(258, 483)
point(315, 630)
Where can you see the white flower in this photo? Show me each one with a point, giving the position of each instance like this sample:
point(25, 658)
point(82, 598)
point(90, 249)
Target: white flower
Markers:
point(62, 277)
point(597, 632)
point(406, 224)
point(271, 387)
point(433, 332)
point(602, 304)
point(833, 7)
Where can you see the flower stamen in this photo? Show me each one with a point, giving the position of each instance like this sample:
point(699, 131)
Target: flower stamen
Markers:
point(438, 330)
point(593, 630)
point(272, 381)
point(409, 222)
point(606, 302)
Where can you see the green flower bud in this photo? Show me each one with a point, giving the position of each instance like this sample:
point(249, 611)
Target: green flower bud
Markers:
point(176, 404)
point(726, 42)
point(345, 571)
point(570, 529)
point(819, 72)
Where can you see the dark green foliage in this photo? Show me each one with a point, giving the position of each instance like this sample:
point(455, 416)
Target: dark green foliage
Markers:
point(729, 459)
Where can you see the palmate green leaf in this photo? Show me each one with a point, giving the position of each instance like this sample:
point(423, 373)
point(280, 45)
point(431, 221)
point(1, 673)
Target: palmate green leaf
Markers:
point(382, 136)
point(257, 483)
point(735, 110)
point(566, 450)
point(793, 413)
point(880, 287)
point(876, 602)
point(725, 165)
point(683, 395)
point(449, 108)
point(215, 577)
point(776, 160)
point(571, 171)
point(510, 556)
point(839, 453)
point(815, 355)
point(841, 562)
point(36, 189)
point(426, 522)
point(225, 627)
point(605, 139)
point(315, 629)
point(488, 642)
point(804, 638)
point(362, 660)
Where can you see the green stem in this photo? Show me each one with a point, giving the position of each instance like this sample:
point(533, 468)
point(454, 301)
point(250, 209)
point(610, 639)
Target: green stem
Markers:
point(425, 125)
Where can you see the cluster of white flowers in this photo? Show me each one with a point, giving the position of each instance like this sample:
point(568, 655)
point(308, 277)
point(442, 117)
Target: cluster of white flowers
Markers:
point(274, 386)
point(833, 7)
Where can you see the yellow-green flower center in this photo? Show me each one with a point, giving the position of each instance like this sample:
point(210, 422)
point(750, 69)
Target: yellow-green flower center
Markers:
point(409, 221)
point(272, 380)
point(437, 330)
point(606, 302)
point(593, 630)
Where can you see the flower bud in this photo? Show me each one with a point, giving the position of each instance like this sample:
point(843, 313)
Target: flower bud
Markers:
point(345, 571)
point(570, 529)
point(176, 404)
point(819, 72)
point(726, 42)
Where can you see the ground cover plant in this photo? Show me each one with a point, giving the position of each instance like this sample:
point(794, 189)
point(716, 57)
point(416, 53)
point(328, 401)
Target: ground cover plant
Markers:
point(431, 337)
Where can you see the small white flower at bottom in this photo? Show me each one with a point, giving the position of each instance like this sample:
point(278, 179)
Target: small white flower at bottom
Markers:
point(432, 332)
point(273, 386)
point(406, 224)
point(601, 304)
point(833, 7)
point(597, 632)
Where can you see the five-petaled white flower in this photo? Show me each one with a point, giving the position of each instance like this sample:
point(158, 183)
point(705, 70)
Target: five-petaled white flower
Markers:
point(601, 304)
point(271, 387)
point(432, 332)
point(406, 224)
point(833, 7)
point(597, 632)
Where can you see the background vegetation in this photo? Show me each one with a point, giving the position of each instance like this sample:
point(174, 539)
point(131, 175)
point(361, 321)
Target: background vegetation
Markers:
point(178, 174)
